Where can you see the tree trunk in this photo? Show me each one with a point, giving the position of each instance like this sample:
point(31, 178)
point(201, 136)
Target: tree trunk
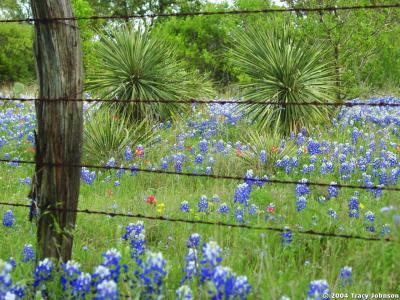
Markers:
point(58, 54)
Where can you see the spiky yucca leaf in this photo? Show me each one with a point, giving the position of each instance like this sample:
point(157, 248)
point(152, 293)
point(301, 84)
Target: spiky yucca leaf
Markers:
point(282, 69)
point(135, 65)
point(107, 134)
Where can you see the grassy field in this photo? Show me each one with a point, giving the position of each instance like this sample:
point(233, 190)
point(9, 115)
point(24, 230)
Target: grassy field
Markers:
point(274, 269)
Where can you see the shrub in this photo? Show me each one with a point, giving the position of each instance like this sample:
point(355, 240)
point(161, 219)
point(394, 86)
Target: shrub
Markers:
point(136, 65)
point(282, 69)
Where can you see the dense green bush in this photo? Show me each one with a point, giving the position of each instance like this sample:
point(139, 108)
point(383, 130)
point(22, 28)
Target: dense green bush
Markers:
point(16, 55)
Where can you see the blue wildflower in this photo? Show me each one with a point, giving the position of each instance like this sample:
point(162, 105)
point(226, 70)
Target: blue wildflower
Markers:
point(302, 188)
point(242, 194)
point(185, 206)
point(128, 154)
point(287, 236)
point(27, 253)
point(223, 208)
point(333, 190)
point(318, 290)
point(263, 157)
point(43, 272)
point(8, 219)
point(106, 290)
point(193, 240)
point(345, 275)
point(184, 293)
point(203, 204)
point(301, 203)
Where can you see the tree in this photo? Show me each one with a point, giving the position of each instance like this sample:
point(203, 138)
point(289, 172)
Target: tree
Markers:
point(60, 123)
point(16, 58)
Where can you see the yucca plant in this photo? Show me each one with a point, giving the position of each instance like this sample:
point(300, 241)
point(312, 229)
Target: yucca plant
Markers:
point(136, 65)
point(107, 134)
point(282, 69)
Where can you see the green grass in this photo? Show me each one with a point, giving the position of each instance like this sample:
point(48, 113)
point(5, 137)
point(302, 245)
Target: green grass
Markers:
point(273, 270)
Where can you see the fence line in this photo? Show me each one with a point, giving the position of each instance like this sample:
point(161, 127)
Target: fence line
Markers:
point(209, 13)
point(191, 221)
point(224, 177)
point(194, 101)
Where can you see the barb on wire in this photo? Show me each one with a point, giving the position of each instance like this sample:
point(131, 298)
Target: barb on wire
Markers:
point(134, 169)
point(210, 13)
point(203, 222)
point(194, 101)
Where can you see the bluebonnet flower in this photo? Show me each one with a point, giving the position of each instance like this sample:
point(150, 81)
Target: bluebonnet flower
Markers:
point(12, 262)
point(345, 275)
point(333, 190)
point(248, 179)
point(43, 272)
point(242, 194)
point(8, 219)
point(5, 278)
point(164, 164)
point(369, 218)
point(87, 176)
point(301, 203)
point(178, 166)
point(185, 206)
point(111, 260)
point(203, 146)
point(191, 265)
point(210, 161)
point(287, 236)
point(100, 274)
point(318, 290)
point(120, 172)
point(134, 233)
point(198, 159)
point(302, 188)
point(223, 208)
point(111, 163)
point(208, 171)
point(252, 210)
point(153, 274)
point(313, 147)
point(128, 154)
point(203, 204)
point(81, 286)
point(239, 215)
point(117, 183)
point(263, 157)
point(27, 253)
point(133, 169)
point(184, 293)
point(26, 181)
point(71, 270)
point(332, 213)
point(354, 207)
point(193, 240)
point(106, 290)
point(211, 258)
point(223, 280)
point(215, 198)
point(242, 287)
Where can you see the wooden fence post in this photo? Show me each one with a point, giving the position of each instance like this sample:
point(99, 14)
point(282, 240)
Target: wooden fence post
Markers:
point(58, 54)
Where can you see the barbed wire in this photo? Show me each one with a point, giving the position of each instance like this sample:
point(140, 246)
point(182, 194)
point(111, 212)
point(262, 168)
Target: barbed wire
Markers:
point(211, 176)
point(194, 101)
point(203, 222)
point(208, 13)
